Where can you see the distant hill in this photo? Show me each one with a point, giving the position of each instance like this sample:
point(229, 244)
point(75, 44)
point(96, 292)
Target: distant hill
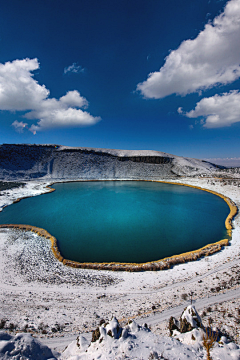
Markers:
point(227, 162)
point(24, 162)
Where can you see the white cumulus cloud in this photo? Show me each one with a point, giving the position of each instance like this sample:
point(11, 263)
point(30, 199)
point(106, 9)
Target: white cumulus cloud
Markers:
point(218, 110)
point(212, 58)
point(73, 98)
point(74, 68)
point(19, 91)
point(60, 117)
point(19, 126)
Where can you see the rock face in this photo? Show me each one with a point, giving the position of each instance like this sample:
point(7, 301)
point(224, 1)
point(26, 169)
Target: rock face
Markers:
point(20, 161)
point(189, 320)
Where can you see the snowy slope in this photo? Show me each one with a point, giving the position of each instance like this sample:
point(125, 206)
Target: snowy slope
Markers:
point(61, 162)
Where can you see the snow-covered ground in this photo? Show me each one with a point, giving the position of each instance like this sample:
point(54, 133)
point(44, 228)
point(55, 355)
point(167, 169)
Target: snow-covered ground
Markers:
point(39, 295)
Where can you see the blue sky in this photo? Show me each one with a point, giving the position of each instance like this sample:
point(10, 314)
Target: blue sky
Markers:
point(124, 74)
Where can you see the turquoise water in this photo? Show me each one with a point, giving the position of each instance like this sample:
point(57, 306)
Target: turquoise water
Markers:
point(123, 221)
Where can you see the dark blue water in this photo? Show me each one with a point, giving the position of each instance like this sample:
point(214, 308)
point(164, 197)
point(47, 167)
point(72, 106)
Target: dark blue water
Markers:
point(123, 221)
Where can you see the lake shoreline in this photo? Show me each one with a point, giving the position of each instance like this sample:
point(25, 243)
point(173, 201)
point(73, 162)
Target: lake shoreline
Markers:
point(161, 264)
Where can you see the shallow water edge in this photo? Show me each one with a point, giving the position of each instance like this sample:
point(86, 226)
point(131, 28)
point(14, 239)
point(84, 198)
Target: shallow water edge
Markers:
point(162, 264)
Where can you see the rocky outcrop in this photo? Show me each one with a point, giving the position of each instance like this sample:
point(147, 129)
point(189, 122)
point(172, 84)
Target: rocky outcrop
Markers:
point(189, 320)
point(25, 162)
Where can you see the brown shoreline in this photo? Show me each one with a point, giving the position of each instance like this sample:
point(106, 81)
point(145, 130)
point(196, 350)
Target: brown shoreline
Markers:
point(162, 264)
point(26, 197)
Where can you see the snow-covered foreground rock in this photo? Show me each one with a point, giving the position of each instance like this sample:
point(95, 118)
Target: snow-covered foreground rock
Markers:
point(23, 347)
point(135, 342)
point(110, 341)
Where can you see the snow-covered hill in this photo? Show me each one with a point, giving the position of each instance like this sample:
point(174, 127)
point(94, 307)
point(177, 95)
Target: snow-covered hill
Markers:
point(60, 162)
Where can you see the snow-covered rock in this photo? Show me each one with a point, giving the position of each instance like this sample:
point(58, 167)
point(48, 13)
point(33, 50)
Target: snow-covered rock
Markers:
point(130, 342)
point(112, 342)
point(189, 330)
point(189, 320)
point(23, 347)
